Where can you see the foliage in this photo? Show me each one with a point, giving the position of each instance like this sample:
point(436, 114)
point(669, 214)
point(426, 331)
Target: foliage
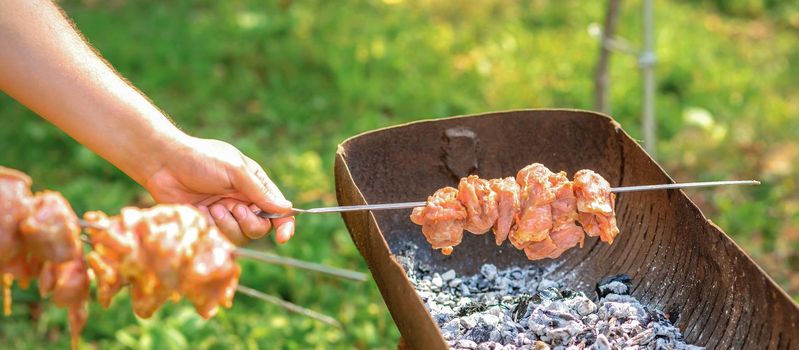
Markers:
point(286, 81)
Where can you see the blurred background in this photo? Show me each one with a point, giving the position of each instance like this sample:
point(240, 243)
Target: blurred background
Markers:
point(286, 81)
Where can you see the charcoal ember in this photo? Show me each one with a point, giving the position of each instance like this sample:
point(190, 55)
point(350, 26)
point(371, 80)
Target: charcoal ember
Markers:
point(437, 282)
point(539, 345)
point(472, 308)
point(448, 275)
point(451, 329)
point(601, 343)
point(488, 346)
point(466, 344)
point(464, 290)
point(468, 322)
point(616, 284)
point(489, 271)
point(551, 293)
point(547, 284)
point(586, 337)
point(618, 310)
point(480, 333)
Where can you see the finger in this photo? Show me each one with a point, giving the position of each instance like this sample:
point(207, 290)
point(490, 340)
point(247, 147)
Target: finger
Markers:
point(204, 210)
point(251, 225)
point(284, 229)
point(227, 224)
point(259, 189)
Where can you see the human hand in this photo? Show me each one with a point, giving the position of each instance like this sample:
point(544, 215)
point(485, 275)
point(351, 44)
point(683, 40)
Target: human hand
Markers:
point(225, 184)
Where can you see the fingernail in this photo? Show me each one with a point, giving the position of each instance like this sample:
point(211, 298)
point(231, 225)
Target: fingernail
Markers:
point(218, 212)
point(284, 203)
point(285, 231)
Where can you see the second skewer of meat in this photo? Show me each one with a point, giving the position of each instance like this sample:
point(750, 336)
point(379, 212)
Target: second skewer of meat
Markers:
point(539, 211)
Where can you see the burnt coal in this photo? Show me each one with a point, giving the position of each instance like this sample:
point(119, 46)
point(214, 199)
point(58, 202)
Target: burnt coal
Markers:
point(616, 284)
point(518, 308)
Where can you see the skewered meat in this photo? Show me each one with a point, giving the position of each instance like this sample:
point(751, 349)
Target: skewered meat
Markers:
point(565, 238)
point(507, 191)
point(68, 282)
point(595, 203)
point(442, 219)
point(564, 208)
point(15, 196)
point(480, 202)
point(535, 197)
point(40, 237)
point(51, 231)
point(541, 249)
point(536, 211)
point(163, 252)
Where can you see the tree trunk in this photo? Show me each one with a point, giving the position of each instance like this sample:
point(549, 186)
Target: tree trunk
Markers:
point(601, 78)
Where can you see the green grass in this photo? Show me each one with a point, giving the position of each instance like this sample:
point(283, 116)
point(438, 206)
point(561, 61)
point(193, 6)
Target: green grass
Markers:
point(286, 81)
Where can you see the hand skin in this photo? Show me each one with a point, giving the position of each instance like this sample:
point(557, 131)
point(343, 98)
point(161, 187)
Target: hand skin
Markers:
point(46, 65)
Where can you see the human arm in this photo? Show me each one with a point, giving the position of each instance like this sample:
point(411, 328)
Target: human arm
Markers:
point(46, 65)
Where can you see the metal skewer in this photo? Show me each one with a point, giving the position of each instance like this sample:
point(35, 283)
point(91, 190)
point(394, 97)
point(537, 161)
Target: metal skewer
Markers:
point(408, 205)
point(306, 265)
point(288, 306)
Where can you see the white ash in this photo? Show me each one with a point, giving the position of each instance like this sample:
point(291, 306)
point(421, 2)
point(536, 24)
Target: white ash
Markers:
point(517, 308)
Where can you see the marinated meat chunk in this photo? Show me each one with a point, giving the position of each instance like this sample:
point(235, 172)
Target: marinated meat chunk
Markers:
point(595, 204)
point(15, 197)
point(533, 226)
point(536, 183)
point(163, 253)
point(212, 276)
point(68, 283)
point(480, 202)
point(441, 219)
point(564, 208)
point(536, 195)
point(565, 238)
point(51, 231)
point(541, 249)
point(507, 191)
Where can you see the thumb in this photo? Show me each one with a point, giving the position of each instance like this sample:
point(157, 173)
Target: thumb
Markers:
point(256, 186)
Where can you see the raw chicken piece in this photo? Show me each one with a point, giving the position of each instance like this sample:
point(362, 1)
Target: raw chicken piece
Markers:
point(22, 268)
point(441, 219)
point(164, 252)
point(533, 226)
point(603, 226)
point(541, 249)
point(535, 197)
point(68, 282)
point(536, 183)
point(212, 276)
point(15, 197)
point(116, 255)
point(564, 208)
point(51, 231)
point(567, 237)
point(507, 191)
point(595, 204)
point(39, 238)
point(480, 202)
